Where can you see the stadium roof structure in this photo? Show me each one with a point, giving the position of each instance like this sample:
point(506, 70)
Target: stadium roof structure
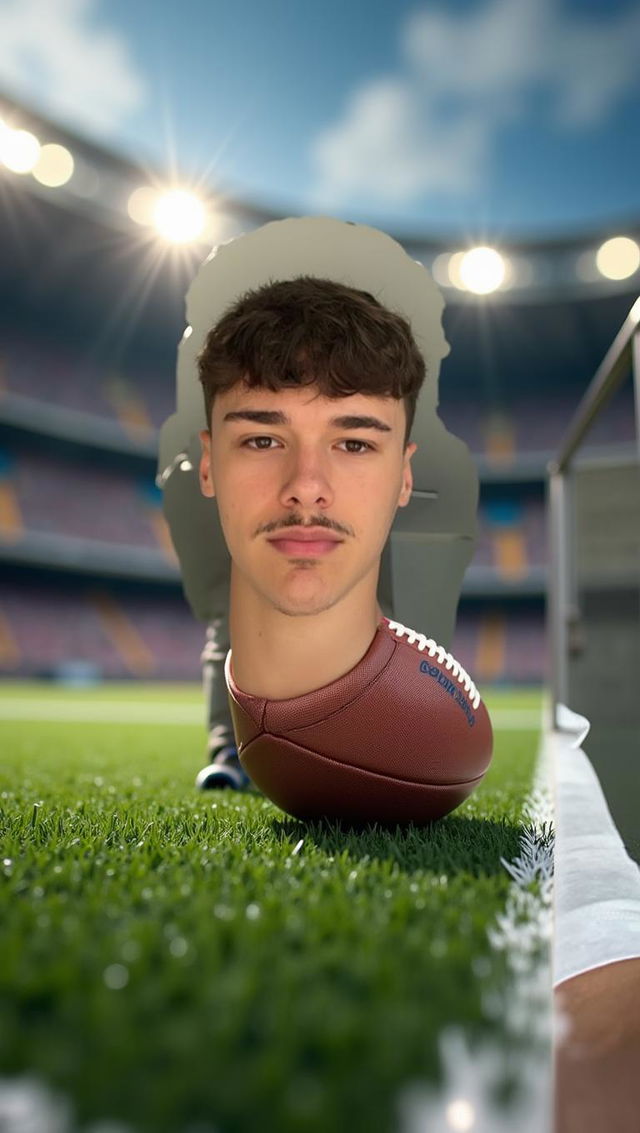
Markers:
point(72, 250)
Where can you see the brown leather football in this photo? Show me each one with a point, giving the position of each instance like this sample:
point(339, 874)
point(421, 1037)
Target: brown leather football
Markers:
point(403, 737)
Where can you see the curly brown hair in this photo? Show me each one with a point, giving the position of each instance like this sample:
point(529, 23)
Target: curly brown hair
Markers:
point(309, 331)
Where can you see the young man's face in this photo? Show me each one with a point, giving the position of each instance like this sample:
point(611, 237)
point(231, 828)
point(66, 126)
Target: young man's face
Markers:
point(312, 472)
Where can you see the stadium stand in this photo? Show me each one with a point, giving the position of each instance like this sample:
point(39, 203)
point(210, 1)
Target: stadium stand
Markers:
point(50, 370)
point(73, 497)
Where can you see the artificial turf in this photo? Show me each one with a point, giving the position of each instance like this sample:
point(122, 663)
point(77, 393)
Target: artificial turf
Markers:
point(191, 963)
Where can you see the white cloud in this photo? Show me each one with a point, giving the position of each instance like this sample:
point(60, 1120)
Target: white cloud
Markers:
point(56, 54)
point(465, 77)
point(392, 145)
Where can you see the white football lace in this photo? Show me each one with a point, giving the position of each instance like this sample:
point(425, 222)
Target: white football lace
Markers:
point(433, 648)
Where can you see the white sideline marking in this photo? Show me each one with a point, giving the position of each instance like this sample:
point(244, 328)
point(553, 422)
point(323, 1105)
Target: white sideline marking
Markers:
point(523, 1004)
point(130, 712)
point(100, 711)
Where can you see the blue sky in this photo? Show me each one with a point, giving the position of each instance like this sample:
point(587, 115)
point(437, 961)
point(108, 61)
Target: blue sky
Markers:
point(483, 117)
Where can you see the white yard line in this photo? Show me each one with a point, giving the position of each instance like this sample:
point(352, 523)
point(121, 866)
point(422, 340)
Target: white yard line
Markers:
point(525, 1005)
point(101, 711)
point(80, 710)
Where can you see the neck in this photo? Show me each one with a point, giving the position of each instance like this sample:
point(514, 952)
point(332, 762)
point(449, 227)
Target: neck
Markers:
point(278, 655)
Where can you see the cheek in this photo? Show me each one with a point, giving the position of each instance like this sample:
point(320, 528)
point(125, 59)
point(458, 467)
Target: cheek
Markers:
point(372, 509)
point(245, 501)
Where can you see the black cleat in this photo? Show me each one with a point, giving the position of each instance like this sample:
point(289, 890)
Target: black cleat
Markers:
point(225, 771)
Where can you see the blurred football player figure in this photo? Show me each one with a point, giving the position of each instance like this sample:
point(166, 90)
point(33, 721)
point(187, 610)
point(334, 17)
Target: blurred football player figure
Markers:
point(308, 345)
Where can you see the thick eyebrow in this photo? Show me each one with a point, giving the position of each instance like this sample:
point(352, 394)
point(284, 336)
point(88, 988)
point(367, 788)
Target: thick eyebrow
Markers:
point(277, 417)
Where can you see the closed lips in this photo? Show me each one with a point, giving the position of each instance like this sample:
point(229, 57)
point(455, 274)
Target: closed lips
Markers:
point(309, 535)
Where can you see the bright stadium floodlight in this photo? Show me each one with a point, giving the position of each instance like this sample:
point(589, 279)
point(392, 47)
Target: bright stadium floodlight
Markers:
point(440, 269)
point(454, 263)
point(142, 203)
point(461, 1115)
point(19, 150)
point(179, 216)
point(481, 270)
point(54, 166)
point(618, 258)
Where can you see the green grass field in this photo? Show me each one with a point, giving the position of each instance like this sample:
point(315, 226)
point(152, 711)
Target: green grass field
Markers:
point(180, 963)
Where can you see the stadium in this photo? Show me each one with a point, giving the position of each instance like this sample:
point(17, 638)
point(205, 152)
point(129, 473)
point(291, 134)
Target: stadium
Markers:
point(97, 638)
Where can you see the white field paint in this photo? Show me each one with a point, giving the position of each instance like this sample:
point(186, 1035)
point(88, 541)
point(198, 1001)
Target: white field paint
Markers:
point(525, 1006)
point(72, 710)
point(29, 1105)
point(80, 710)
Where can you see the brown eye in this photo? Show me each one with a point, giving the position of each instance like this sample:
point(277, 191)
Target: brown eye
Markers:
point(262, 448)
point(365, 446)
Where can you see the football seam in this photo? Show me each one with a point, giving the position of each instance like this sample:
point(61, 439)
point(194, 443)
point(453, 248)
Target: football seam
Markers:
point(454, 677)
point(363, 770)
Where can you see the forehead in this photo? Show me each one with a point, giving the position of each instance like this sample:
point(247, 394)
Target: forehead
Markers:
point(301, 405)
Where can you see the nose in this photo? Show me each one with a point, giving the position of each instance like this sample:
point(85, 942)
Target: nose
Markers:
point(306, 482)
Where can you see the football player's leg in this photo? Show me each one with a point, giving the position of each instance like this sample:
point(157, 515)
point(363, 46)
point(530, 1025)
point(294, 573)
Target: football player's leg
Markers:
point(205, 567)
point(223, 768)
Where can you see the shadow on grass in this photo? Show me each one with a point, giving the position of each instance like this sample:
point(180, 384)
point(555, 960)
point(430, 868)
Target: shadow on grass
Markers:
point(469, 845)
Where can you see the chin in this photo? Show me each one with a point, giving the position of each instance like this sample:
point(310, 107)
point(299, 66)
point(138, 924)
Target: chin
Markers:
point(303, 606)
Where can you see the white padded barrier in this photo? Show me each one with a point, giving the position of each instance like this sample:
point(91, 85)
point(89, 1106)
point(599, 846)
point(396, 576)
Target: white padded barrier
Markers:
point(596, 883)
